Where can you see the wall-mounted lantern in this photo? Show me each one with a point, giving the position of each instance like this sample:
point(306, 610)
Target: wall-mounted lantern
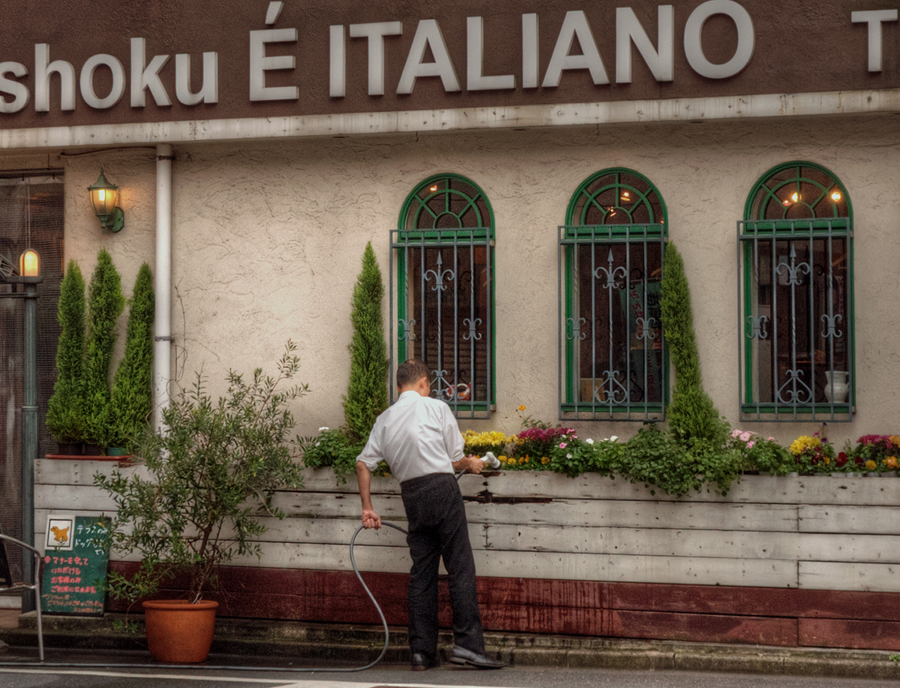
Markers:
point(105, 201)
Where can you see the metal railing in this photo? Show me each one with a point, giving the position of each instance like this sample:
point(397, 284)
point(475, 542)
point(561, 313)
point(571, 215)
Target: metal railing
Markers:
point(442, 294)
point(795, 325)
point(612, 358)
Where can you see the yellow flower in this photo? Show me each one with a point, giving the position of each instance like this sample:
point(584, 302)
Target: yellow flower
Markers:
point(501, 459)
point(891, 462)
point(545, 460)
point(895, 440)
point(827, 461)
point(871, 465)
point(804, 442)
point(522, 407)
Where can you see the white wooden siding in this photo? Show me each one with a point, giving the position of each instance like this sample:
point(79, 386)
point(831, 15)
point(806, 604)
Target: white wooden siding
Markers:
point(807, 532)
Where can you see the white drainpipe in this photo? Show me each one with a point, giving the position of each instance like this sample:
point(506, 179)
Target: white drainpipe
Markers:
point(162, 341)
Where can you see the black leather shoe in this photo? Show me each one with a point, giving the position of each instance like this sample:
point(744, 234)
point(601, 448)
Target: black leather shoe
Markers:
point(421, 662)
point(466, 657)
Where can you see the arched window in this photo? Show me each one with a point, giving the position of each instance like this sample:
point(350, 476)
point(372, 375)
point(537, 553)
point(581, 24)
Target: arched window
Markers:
point(610, 273)
point(443, 293)
point(796, 325)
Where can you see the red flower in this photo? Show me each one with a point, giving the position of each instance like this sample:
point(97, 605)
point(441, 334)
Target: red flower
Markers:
point(841, 460)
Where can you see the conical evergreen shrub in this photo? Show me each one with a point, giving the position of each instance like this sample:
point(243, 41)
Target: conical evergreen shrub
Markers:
point(367, 390)
point(105, 305)
point(66, 407)
point(132, 390)
point(691, 414)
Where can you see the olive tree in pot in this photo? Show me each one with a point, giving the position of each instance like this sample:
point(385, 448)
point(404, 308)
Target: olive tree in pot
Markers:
point(199, 494)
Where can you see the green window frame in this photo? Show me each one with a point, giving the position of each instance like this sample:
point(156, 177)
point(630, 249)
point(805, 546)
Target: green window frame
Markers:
point(613, 359)
point(442, 286)
point(796, 320)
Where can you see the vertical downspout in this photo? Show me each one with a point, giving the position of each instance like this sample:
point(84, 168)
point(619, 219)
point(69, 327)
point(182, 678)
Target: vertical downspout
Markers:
point(162, 341)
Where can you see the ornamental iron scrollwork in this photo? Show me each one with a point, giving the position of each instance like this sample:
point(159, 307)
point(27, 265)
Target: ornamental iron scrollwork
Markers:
point(439, 275)
point(576, 326)
point(794, 271)
point(405, 329)
point(611, 274)
point(757, 327)
point(831, 322)
point(472, 326)
point(647, 327)
point(799, 392)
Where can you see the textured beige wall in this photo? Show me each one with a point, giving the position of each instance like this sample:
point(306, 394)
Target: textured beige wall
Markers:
point(268, 241)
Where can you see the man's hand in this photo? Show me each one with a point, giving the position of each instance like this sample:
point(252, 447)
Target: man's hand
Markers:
point(370, 519)
point(472, 464)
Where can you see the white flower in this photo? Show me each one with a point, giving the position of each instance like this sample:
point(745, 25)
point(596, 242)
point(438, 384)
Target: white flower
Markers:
point(613, 438)
point(568, 456)
point(322, 429)
point(589, 440)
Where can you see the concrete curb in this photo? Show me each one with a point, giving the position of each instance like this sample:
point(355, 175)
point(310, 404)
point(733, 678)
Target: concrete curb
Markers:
point(271, 641)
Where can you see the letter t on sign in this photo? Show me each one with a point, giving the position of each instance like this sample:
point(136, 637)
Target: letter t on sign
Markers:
point(874, 18)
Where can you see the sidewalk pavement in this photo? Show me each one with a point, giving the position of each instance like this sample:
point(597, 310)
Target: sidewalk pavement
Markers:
point(271, 641)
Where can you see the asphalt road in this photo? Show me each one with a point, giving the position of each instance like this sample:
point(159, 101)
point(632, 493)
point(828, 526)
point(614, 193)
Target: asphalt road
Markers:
point(383, 677)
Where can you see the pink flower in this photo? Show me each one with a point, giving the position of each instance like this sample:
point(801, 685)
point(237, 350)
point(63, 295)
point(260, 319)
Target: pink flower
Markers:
point(750, 445)
point(745, 436)
point(735, 432)
point(562, 445)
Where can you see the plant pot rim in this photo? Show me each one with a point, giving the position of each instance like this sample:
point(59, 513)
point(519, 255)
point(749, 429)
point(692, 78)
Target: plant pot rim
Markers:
point(180, 605)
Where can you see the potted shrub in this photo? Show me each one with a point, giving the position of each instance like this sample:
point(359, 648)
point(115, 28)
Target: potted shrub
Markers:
point(367, 388)
point(131, 399)
point(207, 477)
point(66, 407)
point(105, 304)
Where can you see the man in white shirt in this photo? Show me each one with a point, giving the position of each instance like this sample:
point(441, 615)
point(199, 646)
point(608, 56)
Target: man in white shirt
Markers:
point(420, 440)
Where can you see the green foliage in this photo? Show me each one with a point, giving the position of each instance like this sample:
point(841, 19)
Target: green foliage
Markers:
point(691, 414)
point(761, 454)
point(587, 456)
point(105, 305)
point(367, 390)
point(132, 390)
point(334, 448)
point(211, 473)
point(66, 407)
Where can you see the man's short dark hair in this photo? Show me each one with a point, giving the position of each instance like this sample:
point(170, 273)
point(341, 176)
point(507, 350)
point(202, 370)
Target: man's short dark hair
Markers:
point(410, 372)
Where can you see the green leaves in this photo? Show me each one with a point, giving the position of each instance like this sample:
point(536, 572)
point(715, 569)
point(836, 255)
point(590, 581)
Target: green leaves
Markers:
point(367, 390)
point(66, 407)
point(691, 414)
point(211, 473)
point(105, 304)
point(132, 391)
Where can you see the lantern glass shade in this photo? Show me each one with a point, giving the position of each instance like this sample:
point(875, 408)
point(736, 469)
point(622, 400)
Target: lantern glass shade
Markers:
point(30, 264)
point(105, 201)
point(104, 196)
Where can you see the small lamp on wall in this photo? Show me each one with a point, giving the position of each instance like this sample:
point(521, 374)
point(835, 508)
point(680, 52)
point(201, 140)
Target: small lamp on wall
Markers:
point(30, 265)
point(104, 200)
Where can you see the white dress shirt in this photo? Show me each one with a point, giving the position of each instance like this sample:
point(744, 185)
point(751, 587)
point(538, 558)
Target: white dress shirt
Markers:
point(416, 436)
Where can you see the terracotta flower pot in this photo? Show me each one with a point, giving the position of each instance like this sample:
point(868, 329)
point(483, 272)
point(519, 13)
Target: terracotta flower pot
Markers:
point(179, 632)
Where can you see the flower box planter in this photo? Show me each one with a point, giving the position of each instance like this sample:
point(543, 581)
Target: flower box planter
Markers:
point(780, 560)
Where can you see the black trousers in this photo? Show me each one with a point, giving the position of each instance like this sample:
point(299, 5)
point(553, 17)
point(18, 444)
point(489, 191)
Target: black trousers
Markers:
point(438, 529)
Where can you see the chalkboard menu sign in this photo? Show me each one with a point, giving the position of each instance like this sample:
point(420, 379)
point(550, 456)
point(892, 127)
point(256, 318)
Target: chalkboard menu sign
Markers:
point(74, 565)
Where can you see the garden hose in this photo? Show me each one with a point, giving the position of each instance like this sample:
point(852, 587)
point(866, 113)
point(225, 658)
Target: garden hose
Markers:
point(489, 459)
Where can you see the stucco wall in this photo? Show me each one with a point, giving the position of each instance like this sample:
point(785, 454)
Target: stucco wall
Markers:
point(269, 236)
